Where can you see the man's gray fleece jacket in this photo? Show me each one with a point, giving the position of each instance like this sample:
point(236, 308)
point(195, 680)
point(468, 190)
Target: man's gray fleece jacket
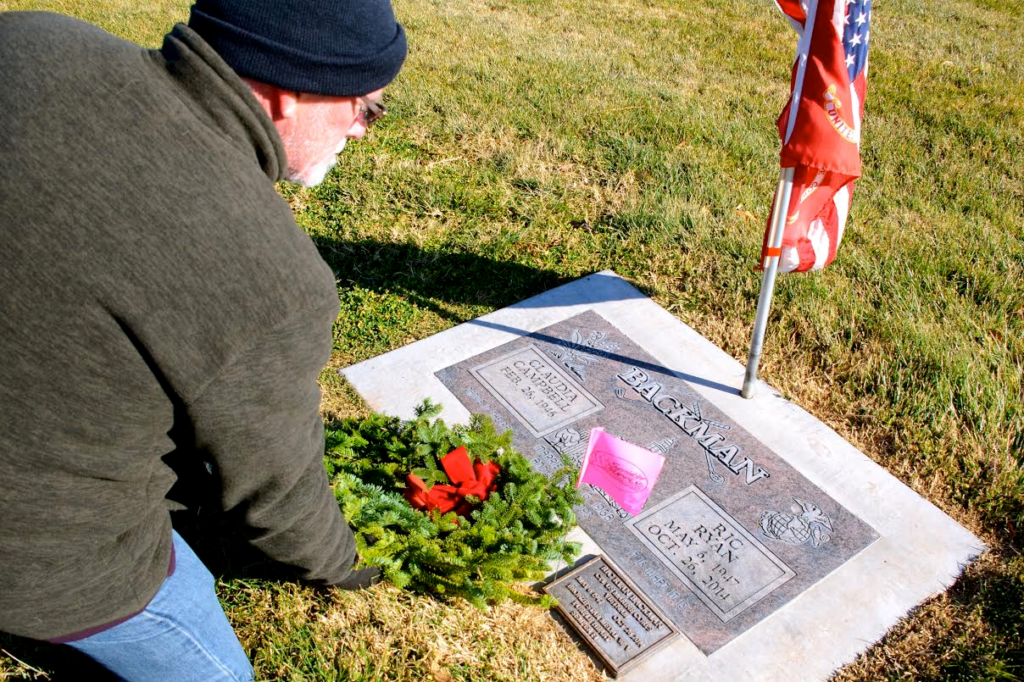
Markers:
point(156, 296)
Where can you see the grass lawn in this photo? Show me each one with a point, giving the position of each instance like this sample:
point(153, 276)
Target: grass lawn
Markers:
point(531, 142)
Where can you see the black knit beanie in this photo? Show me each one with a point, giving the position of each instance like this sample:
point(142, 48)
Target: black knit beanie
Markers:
point(323, 47)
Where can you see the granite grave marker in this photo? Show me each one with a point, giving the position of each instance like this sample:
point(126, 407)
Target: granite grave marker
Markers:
point(731, 531)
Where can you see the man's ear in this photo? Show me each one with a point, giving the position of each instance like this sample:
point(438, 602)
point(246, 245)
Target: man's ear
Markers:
point(279, 104)
point(288, 101)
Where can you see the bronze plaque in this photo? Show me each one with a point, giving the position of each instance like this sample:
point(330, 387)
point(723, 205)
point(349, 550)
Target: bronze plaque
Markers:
point(611, 614)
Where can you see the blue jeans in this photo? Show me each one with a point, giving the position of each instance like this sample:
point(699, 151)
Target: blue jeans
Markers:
point(182, 635)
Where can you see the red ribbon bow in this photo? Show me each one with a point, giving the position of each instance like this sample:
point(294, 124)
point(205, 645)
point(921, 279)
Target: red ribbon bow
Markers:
point(477, 480)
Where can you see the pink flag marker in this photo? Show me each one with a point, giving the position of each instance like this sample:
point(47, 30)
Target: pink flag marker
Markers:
point(625, 471)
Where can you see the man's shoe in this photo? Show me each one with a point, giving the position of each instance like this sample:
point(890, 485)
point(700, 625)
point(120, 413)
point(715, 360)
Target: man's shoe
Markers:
point(361, 579)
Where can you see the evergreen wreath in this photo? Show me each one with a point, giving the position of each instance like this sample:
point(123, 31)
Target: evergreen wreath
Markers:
point(508, 538)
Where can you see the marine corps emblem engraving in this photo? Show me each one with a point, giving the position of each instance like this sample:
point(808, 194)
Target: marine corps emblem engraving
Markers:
point(797, 528)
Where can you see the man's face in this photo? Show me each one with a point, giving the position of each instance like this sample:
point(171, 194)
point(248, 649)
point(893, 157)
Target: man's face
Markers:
point(318, 131)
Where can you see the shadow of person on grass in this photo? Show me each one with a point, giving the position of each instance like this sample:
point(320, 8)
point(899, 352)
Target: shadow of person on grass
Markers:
point(429, 279)
point(51, 662)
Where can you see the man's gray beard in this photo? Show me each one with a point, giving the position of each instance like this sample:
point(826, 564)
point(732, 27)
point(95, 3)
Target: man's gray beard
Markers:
point(315, 175)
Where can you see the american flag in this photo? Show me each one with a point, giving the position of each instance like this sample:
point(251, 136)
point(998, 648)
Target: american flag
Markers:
point(820, 127)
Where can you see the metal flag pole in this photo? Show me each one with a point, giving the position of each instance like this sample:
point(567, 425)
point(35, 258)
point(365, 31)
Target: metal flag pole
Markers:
point(771, 266)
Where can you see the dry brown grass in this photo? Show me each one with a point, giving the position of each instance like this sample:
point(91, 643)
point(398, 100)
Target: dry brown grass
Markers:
point(384, 628)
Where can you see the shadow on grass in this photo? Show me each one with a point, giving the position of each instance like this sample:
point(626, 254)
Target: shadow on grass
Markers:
point(54, 662)
point(997, 594)
point(429, 278)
